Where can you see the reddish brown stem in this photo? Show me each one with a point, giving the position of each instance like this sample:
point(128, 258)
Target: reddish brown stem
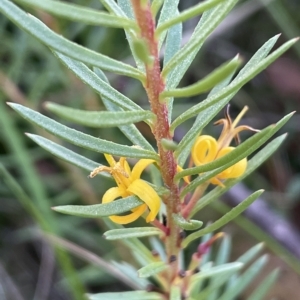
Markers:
point(154, 85)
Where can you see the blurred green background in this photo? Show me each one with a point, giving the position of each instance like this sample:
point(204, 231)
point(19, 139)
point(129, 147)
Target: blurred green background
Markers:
point(31, 75)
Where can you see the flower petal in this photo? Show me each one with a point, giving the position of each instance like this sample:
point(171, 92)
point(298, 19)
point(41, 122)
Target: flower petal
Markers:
point(111, 194)
point(116, 192)
point(147, 194)
point(111, 161)
point(204, 150)
point(131, 217)
point(185, 178)
point(234, 171)
point(139, 167)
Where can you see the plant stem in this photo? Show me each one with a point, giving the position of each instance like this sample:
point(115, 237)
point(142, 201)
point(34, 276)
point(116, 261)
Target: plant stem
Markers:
point(154, 85)
point(194, 199)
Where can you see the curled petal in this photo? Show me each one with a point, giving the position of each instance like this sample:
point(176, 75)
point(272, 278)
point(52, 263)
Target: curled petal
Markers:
point(139, 167)
point(116, 192)
point(147, 194)
point(137, 212)
point(204, 150)
point(112, 194)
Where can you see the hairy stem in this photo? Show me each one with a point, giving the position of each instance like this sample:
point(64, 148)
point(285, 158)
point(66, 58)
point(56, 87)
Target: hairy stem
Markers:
point(154, 85)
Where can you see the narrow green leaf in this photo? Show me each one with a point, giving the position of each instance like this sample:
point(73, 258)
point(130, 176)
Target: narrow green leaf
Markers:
point(222, 257)
point(126, 233)
point(223, 270)
point(55, 41)
point(99, 118)
point(234, 87)
point(260, 292)
point(244, 280)
point(100, 210)
point(112, 7)
point(253, 164)
point(136, 295)
point(66, 154)
point(152, 269)
point(79, 138)
point(173, 41)
point(206, 83)
point(131, 272)
point(213, 285)
point(225, 219)
point(187, 224)
point(168, 10)
point(186, 55)
point(173, 44)
point(104, 89)
point(187, 14)
point(130, 131)
point(241, 151)
point(78, 13)
point(156, 6)
point(175, 293)
point(208, 114)
point(125, 6)
point(250, 254)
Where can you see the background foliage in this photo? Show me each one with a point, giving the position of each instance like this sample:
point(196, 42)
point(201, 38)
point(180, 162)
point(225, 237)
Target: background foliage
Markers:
point(31, 75)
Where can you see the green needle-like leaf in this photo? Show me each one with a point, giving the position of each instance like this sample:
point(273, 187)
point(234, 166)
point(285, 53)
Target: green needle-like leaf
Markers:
point(225, 219)
point(100, 210)
point(232, 88)
point(173, 41)
point(99, 118)
point(168, 10)
point(244, 280)
point(112, 7)
point(100, 86)
point(208, 114)
point(187, 14)
point(136, 295)
point(126, 233)
point(187, 224)
point(51, 39)
point(250, 254)
point(78, 13)
point(261, 291)
point(66, 154)
point(206, 83)
point(253, 164)
point(185, 56)
point(81, 139)
point(130, 131)
point(152, 269)
point(223, 270)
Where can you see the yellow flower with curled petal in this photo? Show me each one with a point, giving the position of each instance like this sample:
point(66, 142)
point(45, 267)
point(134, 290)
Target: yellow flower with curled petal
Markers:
point(207, 149)
point(128, 184)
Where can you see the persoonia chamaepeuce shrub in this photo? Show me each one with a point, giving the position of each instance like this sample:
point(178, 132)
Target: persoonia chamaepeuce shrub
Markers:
point(186, 169)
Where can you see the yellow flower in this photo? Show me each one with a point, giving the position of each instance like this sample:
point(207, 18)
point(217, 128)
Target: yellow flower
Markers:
point(207, 149)
point(128, 184)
